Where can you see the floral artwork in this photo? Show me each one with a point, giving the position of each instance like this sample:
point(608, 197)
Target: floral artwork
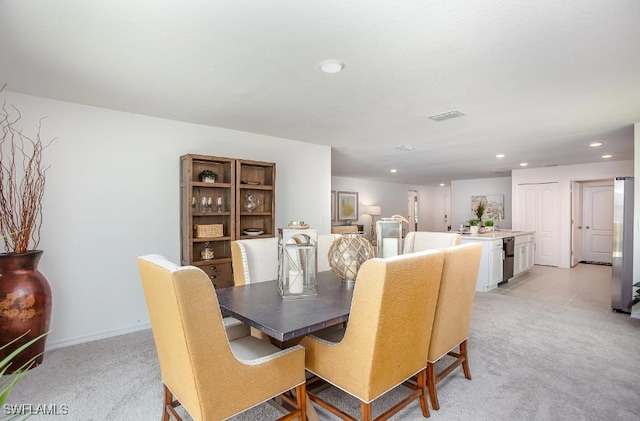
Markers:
point(493, 203)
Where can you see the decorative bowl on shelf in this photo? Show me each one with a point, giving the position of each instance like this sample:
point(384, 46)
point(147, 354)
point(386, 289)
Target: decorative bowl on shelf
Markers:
point(253, 232)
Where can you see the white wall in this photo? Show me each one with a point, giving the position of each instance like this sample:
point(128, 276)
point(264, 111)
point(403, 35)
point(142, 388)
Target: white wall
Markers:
point(564, 175)
point(462, 190)
point(391, 197)
point(112, 194)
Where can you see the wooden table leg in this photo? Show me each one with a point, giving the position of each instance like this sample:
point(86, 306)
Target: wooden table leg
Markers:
point(312, 414)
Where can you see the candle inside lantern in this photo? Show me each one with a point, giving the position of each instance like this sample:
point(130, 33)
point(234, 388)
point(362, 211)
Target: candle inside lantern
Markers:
point(296, 280)
point(389, 247)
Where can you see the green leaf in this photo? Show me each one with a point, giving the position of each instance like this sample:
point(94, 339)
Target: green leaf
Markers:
point(8, 383)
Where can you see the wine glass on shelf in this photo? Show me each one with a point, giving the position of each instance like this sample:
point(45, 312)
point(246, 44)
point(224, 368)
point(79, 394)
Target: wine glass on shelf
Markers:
point(209, 208)
point(219, 204)
point(203, 204)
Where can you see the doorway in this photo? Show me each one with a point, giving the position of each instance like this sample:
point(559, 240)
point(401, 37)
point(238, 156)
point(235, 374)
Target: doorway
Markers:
point(538, 206)
point(592, 205)
point(412, 204)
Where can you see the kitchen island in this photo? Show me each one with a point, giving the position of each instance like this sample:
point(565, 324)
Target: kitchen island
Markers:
point(492, 262)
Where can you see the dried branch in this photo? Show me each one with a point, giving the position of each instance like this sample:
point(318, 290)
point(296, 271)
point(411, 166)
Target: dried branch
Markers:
point(22, 182)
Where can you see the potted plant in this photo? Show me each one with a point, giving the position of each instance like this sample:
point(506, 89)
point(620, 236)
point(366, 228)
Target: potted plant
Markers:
point(25, 294)
point(488, 224)
point(208, 176)
point(479, 211)
point(473, 226)
point(8, 383)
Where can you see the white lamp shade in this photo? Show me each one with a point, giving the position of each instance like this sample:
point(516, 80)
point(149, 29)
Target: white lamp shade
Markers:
point(373, 210)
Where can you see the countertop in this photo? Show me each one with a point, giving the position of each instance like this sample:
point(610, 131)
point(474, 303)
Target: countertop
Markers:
point(501, 233)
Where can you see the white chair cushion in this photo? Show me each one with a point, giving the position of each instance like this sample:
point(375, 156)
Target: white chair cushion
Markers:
point(424, 240)
point(260, 259)
point(324, 243)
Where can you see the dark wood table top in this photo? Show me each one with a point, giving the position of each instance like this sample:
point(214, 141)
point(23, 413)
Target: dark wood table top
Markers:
point(261, 306)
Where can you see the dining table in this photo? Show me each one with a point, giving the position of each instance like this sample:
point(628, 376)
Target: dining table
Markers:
point(286, 321)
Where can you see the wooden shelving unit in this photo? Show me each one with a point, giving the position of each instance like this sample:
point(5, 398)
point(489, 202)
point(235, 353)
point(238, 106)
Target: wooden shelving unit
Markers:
point(192, 213)
point(236, 180)
point(255, 180)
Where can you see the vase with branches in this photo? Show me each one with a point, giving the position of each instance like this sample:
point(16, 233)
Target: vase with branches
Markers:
point(25, 294)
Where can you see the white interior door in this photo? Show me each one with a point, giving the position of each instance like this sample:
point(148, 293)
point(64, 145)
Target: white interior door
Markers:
point(412, 204)
point(538, 210)
point(576, 225)
point(447, 212)
point(597, 232)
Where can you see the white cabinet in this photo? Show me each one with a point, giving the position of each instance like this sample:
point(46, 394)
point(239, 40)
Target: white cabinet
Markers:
point(490, 271)
point(497, 257)
point(524, 253)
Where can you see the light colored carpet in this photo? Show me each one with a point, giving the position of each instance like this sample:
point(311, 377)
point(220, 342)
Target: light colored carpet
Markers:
point(529, 361)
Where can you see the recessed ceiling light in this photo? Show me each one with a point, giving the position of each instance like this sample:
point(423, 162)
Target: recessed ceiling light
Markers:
point(331, 66)
point(441, 184)
point(607, 156)
point(523, 164)
point(500, 155)
point(595, 144)
point(393, 170)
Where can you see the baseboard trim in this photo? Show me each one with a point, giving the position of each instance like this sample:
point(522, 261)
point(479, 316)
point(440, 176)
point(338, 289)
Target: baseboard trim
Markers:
point(96, 336)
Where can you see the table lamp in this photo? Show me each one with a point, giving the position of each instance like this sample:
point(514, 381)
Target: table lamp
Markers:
point(373, 211)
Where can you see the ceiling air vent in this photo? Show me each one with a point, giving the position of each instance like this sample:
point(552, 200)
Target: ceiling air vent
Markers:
point(446, 116)
point(405, 148)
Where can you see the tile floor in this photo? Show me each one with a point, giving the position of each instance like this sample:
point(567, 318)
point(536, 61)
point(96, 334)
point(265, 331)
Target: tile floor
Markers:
point(585, 285)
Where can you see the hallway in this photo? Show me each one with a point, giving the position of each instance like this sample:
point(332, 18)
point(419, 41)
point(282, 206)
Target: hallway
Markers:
point(585, 286)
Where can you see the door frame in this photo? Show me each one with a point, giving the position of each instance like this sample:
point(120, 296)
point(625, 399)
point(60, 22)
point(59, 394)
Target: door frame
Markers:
point(580, 184)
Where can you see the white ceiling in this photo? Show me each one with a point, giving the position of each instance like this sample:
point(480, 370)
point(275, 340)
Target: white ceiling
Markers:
point(537, 80)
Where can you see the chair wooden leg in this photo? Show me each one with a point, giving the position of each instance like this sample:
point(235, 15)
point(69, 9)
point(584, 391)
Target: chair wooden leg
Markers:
point(365, 411)
point(422, 384)
point(465, 362)
point(431, 385)
point(169, 412)
point(301, 399)
point(168, 398)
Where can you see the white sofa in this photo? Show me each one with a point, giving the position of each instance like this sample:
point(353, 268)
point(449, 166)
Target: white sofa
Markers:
point(428, 240)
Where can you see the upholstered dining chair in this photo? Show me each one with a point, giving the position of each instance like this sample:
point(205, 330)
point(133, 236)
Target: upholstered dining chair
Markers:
point(254, 260)
point(214, 375)
point(324, 243)
point(453, 313)
point(387, 337)
point(428, 240)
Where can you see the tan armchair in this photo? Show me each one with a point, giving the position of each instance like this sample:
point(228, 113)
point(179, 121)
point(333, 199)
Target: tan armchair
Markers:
point(426, 240)
point(387, 337)
point(254, 260)
point(453, 313)
point(212, 375)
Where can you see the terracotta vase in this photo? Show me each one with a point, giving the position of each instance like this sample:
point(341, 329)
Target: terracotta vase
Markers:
point(25, 306)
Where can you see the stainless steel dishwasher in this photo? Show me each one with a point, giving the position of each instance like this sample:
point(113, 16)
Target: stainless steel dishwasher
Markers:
point(508, 244)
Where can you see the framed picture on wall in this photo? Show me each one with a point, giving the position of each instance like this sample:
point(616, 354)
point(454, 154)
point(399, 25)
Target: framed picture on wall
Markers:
point(347, 206)
point(333, 205)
